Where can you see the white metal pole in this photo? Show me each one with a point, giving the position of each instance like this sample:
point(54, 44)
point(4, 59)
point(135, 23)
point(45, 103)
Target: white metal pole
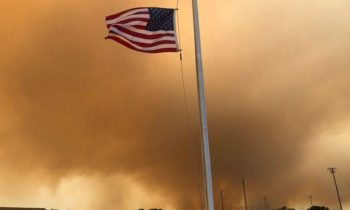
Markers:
point(208, 186)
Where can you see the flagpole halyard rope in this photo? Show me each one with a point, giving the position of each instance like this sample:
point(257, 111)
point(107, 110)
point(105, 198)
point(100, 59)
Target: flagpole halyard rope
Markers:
point(178, 30)
point(189, 129)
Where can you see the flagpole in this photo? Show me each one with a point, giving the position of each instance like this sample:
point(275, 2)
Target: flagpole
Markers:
point(208, 186)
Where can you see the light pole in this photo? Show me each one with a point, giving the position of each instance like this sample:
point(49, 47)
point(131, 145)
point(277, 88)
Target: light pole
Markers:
point(332, 171)
point(265, 200)
point(245, 196)
point(222, 199)
point(310, 196)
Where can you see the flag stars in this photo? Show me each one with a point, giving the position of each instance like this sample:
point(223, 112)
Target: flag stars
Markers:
point(160, 19)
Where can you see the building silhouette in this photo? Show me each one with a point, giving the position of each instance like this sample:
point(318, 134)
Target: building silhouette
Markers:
point(20, 208)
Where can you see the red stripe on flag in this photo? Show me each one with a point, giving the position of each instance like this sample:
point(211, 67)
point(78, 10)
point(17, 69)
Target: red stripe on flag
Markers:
point(144, 36)
point(140, 27)
point(145, 45)
point(142, 44)
point(117, 39)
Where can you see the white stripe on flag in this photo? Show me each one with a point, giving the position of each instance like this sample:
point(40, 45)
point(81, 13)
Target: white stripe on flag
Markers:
point(134, 16)
point(131, 28)
point(132, 12)
point(137, 39)
point(109, 22)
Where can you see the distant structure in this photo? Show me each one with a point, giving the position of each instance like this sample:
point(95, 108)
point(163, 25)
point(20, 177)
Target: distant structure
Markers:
point(332, 171)
point(222, 199)
point(265, 201)
point(20, 208)
point(149, 209)
point(312, 204)
point(244, 191)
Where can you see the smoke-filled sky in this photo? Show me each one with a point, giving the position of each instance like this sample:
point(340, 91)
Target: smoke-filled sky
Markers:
point(88, 124)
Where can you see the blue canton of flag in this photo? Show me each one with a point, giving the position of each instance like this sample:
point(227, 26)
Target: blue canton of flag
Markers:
point(161, 19)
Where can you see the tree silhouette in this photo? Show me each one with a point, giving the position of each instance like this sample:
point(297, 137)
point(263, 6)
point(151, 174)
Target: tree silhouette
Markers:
point(286, 208)
point(318, 208)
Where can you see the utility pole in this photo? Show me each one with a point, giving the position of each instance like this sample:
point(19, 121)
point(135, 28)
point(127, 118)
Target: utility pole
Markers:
point(222, 199)
point(245, 196)
point(265, 199)
point(332, 171)
point(310, 196)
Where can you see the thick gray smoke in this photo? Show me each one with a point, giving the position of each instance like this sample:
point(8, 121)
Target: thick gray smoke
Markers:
point(76, 105)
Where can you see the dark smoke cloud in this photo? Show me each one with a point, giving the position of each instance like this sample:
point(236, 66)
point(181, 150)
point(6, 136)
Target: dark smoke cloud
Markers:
point(75, 105)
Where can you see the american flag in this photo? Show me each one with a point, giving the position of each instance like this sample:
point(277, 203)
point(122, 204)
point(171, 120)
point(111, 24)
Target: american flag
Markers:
point(150, 30)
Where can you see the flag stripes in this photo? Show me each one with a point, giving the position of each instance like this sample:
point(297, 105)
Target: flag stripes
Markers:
point(129, 28)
